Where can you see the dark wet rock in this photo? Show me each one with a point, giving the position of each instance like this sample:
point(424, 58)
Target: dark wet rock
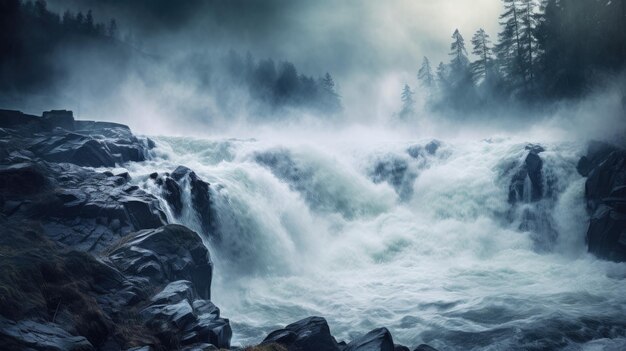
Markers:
point(309, 334)
point(27, 334)
point(397, 173)
point(602, 179)
point(81, 270)
point(527, 183)
point(16, 119)
point(59, 118)
point(597, 152)
point(376, 340)
point(397, 347)
point(184, 179)
point(173, 195)
point(606, 236)
point(57, 137)
point(605, 193)
point(168, 316)
point(209, 329)
point(530, 197)
point(172, 252)
point(534, 148)
point(78, 207)
point(174, 292)
point(75, 148)
point(200, 347)
point(424, 347)
point(22, 178)
point(430, 149)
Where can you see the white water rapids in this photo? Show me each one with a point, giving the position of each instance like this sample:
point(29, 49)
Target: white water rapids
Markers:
point(390, 234)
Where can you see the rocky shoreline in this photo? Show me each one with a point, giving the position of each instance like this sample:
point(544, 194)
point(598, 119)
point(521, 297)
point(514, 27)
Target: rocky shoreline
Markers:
point(88, 261)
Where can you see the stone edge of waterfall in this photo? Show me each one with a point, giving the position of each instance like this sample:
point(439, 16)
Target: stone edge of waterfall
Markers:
point(89, 261)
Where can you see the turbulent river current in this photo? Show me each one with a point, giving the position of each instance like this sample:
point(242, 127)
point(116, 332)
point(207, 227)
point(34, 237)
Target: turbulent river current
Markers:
point(420, 236)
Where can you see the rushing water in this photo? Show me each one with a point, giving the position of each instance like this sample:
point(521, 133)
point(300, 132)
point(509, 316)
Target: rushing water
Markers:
point(397, 234)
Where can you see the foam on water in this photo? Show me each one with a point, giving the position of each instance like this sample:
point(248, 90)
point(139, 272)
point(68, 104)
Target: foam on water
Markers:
point(426, 244)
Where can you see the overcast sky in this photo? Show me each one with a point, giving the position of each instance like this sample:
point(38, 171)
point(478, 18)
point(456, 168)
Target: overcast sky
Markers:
point(343, 37)
point(372, 47)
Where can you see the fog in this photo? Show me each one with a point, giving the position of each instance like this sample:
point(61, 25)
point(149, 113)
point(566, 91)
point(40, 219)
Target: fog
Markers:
point(173, 78)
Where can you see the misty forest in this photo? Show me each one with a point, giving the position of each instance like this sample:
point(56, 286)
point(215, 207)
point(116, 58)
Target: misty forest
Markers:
point(406, 175)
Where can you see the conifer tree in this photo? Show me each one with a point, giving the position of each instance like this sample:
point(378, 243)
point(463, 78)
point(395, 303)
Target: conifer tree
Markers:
point(408, 103)
point(482, 49)
point(425, 74)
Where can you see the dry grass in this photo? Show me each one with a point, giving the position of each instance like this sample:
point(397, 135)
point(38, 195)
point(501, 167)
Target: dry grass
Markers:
point(266, 347)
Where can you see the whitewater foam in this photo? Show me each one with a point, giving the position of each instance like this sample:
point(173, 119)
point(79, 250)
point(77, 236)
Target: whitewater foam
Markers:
point(320, 228)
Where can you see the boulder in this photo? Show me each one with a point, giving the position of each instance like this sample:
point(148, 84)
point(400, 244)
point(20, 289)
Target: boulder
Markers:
point(208, 329)
point(597, 151)
point(606, 236)
point(22, 178)
point(424, 347)
point(172, 193)
point(27, 334)
point(18, 120)
point(77, 207)
point(396, 172)
point(169, 253)
point(397, 347)
point(174, 292)
point(59, 118)
point(608, 175)
point(527, 182)
point(376, 340)
point(605, 193)
point(430, 149)
point(181, 179)
point(309, 334)
point(168, 316)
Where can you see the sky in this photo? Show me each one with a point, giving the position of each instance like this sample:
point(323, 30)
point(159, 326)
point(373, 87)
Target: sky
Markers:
point(371, 48)
point(344, 37)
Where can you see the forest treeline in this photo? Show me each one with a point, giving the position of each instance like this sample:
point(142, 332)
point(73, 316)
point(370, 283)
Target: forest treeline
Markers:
point(547, 50)
point(39, 49)
point(31, 36)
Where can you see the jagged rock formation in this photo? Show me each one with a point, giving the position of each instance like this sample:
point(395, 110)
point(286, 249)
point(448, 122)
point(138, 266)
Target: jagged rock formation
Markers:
point(605, 192)
point(313, 334)
point(182, 180)
point(87, 260)
point(57, 137)
point(530, 197)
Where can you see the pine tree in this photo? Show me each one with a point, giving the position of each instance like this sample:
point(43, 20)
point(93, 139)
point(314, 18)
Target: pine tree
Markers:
point(425, 74)
point(328, 84)
point(112, 29)
point(509, 48)
point(329, 98)
point(458, 53)
point(442, 75)
point(408, 103)
point(89, 21)
point(528, 38)
point(481, 48)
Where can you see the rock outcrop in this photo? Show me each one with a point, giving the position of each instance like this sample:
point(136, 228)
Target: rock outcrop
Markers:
point(313, 334)
point(530, 197)
point(87, 259)
point(57, 137)
point(605, 193)
point(183, 180)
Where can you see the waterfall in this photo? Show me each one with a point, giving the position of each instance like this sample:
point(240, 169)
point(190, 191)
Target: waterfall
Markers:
point(382, 234)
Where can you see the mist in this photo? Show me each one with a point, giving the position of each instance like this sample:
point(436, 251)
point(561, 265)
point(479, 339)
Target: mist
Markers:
point(313, 175)
point(171, 63)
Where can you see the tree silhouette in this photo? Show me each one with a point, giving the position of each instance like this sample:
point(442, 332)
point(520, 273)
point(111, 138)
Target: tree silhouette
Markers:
point(425, 74)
